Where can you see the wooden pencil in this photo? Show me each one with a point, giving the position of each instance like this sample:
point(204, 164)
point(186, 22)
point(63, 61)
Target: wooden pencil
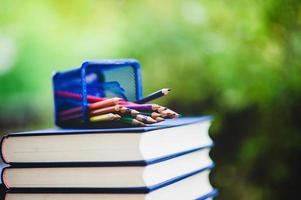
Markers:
point(93, 106)
point(159, 119)
point(105, 117)
point(153, 96)
point(145, 119)
point(71, 95)
point(104, 103)
point(169, 113)
point(110, 109)
point(71, 117)
point(115, 109)
point(128, 111)
point(131, 121)
point(90, 98)
point(144, 107)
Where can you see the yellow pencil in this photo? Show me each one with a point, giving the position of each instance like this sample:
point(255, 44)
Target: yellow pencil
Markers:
point(105, 117)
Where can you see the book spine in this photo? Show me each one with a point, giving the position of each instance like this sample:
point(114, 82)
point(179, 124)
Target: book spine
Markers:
point(3, 180)
point(2, 152)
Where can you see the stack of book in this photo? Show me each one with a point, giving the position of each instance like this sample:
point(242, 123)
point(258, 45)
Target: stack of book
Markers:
point(169, 160)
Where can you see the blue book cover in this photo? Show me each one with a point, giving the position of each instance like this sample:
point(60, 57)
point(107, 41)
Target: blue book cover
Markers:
point(139, 130)
point(169, 123)
point(211, 194)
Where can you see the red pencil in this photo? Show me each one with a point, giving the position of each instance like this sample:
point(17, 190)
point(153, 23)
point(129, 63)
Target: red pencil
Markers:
point(90, 98)
point(71, 95)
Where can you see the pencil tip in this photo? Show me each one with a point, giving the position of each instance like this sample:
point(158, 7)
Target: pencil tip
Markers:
point(165, 91)
point(160, 119)
point(117, 117)
point(151, 120)
point(135, 112)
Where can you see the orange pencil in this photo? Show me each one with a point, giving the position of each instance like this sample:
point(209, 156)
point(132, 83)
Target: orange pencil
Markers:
point(111, 109)
point(105, 103)
point(93, 106)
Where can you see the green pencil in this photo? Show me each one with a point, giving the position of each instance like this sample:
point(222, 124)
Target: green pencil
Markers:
point(131, 121)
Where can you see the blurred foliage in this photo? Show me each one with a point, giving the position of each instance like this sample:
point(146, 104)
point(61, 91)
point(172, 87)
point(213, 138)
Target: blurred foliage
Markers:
point(238, 60)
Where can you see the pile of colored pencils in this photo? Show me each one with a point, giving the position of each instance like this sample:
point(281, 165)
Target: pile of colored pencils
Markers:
point(115, 109)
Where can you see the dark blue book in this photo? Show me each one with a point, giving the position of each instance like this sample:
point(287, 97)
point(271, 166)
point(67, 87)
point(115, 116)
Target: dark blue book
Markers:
point(122, 177)
point(194, 185)
point(131, 146)
point(2, 187)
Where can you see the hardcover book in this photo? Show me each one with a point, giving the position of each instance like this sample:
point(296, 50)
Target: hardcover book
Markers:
point(192, 186)
point(120, 146)
point(105, 176)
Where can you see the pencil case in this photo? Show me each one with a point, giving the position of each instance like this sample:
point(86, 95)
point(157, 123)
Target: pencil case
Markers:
point(94, 80)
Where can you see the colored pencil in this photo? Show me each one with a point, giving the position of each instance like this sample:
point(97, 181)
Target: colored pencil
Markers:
point(71, 111)
point(161, 109)
point(90, 98)
point(71, 117)
point(93, 106)
point(145, 119)
point(110, 109)
point(131, 121)
point(145, 107)
point(104, 103)
point(151, 114)
point(105, 117)
point(153, 96)
point(159, 119)
point(117, 108)
point(128, 111)
point(169, 113)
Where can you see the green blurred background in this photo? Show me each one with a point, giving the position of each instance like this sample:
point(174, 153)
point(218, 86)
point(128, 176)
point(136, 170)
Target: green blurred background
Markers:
point(238, 60)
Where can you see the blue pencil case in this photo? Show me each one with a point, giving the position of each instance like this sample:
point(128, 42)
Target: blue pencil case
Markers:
point(75, 89)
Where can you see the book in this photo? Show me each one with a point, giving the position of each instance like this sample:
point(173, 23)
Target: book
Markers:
point(2, 187)
point(118, 146)
point(193, 186)
point(105, 176)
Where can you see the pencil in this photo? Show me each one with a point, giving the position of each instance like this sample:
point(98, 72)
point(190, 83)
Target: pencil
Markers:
point(161, 108)
point(110, 109)
point(153, 96)
point(145, 119)
point(117, 108)
point(71, 95)
point(104, 103)
point(71, 111)
point(71, 117)
point(156, 116)
point(128, 111)
point(159, 119)
point(169, 113)
point(105, 117)
point(93, 106)
point(151, 114)
point(131, 121)
point(145, 107)
point(90, 98)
